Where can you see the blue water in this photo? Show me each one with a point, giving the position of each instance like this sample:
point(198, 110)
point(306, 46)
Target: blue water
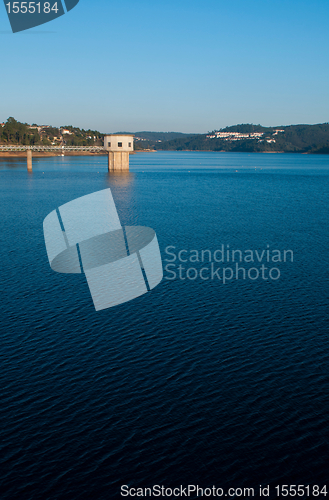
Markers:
point(197, 382)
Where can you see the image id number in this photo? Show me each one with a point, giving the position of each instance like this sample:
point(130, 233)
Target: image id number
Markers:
point(31, 7)
point(301, 490)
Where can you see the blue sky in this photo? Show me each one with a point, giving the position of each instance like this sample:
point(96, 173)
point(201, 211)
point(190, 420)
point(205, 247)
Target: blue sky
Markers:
point(188, 66)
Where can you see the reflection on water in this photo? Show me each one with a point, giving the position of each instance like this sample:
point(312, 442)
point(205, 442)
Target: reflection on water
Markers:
point(121, 179)
point(10, 163)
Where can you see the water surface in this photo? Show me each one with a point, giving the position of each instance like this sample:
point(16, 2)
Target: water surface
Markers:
point(196, 382)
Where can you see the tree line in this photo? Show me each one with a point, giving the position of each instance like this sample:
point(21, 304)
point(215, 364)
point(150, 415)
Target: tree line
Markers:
point(14, 132)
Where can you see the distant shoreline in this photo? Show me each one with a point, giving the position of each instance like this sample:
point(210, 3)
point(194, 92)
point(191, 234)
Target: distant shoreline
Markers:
point(46, 154)
point(38, 154)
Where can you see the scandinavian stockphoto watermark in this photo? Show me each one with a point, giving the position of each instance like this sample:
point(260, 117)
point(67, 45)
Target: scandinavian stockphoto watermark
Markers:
point(225, 264)
point(85, 236)
point(25, 15)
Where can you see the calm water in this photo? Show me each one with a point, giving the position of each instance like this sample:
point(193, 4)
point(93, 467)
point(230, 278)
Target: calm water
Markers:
point(197, 382)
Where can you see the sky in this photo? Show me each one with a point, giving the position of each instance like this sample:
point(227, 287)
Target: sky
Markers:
point(183, 66)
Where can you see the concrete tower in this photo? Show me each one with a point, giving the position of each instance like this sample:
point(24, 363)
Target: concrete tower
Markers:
point(119, 146)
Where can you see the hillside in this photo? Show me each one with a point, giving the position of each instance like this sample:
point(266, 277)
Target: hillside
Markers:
point(255, 138)
point(14, 132)
point(238, 138)
point(148, 140)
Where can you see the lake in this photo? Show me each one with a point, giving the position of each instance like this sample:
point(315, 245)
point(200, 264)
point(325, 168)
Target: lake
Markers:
point(217, 377)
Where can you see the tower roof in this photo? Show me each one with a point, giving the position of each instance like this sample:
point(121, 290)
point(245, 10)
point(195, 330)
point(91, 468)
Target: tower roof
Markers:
point(123, 135)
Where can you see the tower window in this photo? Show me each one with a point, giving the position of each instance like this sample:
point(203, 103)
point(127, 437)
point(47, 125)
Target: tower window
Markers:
point(119, 144)
point(108, 144)
point(130, 144)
